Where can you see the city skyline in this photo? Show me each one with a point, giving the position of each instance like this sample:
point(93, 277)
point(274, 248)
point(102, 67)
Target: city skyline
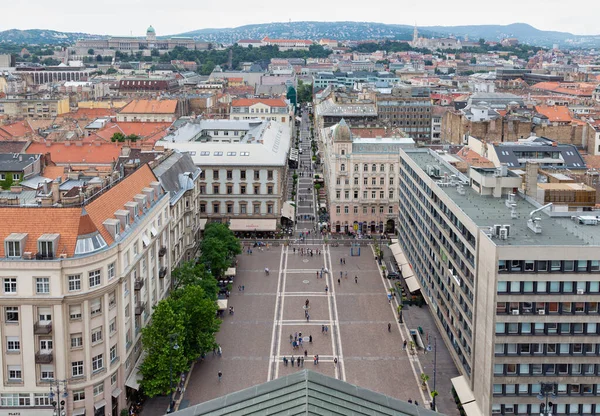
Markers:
point(115, 17)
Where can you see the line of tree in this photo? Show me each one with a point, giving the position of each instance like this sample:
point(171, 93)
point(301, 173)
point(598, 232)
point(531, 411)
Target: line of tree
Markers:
point(188, 317)
point(304, 93)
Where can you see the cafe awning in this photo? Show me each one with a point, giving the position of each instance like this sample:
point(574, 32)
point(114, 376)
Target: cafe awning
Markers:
point(116, 392)
point(78, 412)
point(288, 211)
point(412, 284)
point(395, 249)
point(253, 225)
point(466, 396)
point(222, 304)
point(100, 404)
point(230, 272)
point(135, 376)
point(203, 222)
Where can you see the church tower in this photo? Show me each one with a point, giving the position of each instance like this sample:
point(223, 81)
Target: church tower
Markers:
point(415, 36)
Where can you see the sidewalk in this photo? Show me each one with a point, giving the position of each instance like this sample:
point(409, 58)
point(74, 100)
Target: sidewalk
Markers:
point(414, 317)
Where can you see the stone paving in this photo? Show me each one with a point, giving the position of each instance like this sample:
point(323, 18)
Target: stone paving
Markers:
point(255, 339)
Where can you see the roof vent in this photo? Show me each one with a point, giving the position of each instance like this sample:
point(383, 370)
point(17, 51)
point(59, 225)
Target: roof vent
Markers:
point(534, 223)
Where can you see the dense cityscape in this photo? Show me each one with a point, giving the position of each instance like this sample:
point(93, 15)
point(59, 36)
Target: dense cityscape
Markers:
point(410, 212)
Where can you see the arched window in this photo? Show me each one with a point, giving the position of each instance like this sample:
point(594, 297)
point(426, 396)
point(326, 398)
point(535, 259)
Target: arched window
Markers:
point(343, 152)
point(343, 167)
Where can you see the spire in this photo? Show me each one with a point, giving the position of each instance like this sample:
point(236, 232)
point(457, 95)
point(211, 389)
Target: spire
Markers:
point(415, 34)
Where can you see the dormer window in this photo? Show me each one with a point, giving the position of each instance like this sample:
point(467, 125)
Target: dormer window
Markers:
point(47, 244)
point(14, 244)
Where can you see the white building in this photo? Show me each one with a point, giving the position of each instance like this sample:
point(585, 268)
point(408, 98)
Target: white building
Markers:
point(274, 109)
point(244, 170)
point(78, 284)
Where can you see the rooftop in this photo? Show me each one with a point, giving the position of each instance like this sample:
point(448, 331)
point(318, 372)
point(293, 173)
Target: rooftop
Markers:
point(150, 107)
point(330, 108)
point(78, 153)
point(247, 102)
point(486, 211)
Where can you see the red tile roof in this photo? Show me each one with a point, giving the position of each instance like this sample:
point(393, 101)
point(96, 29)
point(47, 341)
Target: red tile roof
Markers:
point(147, 131)
point(150, 107)
point(90, 113)
point(65, 153)
point(247, 102)
point(18, 129)
point(106, 205)
point(558, 113)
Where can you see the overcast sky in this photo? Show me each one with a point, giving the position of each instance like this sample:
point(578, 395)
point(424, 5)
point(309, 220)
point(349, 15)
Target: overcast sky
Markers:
point(125, 17)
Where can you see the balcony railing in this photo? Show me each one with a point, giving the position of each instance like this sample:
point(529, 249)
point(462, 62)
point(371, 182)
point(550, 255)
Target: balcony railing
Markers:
point(162, 251)
point(44, 357)
point(162, 272)
point(42, 329)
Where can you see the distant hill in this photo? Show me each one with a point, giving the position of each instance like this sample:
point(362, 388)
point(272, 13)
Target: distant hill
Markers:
point(335, 30)
point(41, 36)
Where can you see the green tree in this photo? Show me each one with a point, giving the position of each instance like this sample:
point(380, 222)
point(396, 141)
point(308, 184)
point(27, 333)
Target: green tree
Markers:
point(98, 58)
point(473, 60)
point(90, 51)
point(428, 62)
point(8, 182)
point(304, 92)
point(154, 52)
point(118, 137)
point(111, 70)
point(481, 41)
point(132, 137)
point(191, 273)
point(214, 256)
point(200, 320)
point(222, 232)
point(160, 354)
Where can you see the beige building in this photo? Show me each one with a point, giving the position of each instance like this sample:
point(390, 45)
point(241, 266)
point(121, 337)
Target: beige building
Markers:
point(270, 109)
point(78, 284)
point(34, 107)
point(149, 111)
point(361, 176)
point(513, 286)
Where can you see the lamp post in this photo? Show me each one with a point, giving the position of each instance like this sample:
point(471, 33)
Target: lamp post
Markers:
point(174, 347)
point(546, 393)
point(434, 368)
point(58, 399)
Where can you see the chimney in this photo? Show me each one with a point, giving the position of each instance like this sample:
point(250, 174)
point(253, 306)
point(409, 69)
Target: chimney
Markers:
point(55, 189)
point(531, 177)
point(124, 217)
point(16, 189)
point(157, 188)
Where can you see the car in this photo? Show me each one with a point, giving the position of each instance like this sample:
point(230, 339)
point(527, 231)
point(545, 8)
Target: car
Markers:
point(393, 275)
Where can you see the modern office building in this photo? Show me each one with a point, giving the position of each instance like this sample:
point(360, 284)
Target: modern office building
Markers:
point(79, 280)
point(361, 176)
point(244, 171)
point(513, 286)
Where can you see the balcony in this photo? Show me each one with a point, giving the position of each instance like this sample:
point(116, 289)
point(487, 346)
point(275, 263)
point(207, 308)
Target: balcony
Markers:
point(138, 284)
point(140, 307)
point(162, 251)
point(44, 357)
point(42, 328)
point(162, 272)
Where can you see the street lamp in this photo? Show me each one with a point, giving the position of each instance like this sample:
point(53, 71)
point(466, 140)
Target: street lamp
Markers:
point(174, 347)
point(434, 368)
point(60, 403)
point(546, 393)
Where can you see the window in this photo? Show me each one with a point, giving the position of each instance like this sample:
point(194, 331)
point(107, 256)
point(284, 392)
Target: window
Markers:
point(229, 174)
point(270, 190)
point(113, 353)
point(113, 379)
point(256, 208)
point(242, 208)
point(529, 265)
point(42, 399)
point(365, 168)
point(111, 271)
point(215, 174)
point(10, 285)
point(46, 372)
point(256, 189)
point(95, 307)
point(98, 389)
point(215, 189)
point(78, 395)
point(338, 209)
point(256, 175)
point(13, 249)
point(374, 168)
point(215, 207)
point(75, 312)
point(96, 335)
point(13, 344)
point(74, 282)
point(356, 210)
point(243, 175)
point(76, 341)
point(15, 399)
point(269, 208)
point(77, 368)
point(42, 285)
point(97, 363)
point(46, 249)
point(12, 314)
point(542, 266)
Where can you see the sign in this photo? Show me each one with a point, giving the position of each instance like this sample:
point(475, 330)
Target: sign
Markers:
point(355, 226)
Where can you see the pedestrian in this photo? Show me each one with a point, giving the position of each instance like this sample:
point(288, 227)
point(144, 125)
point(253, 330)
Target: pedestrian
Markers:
point(389, 327)
point(410, 401)
point(389, 296)
point(416, 403)
point(284, 361)
point(340, 261)
point(318, 274)
point(344, 261)
point(310, 339)
point(298, 362)
point(404, 345)
point(341, 273)
point(291, 338)
point(306, 353)
point(220, 352)
point(239, 288)
point(335, 362)
point(322, 329)
point(244, 287)
point(293, 360)
point(356, 279)
point(307, 317)
point(326, 289)
point(326, 329)
point(220, 374)
point(315, 360)
point(339, 282)
point(302, 361)
point(346, 275)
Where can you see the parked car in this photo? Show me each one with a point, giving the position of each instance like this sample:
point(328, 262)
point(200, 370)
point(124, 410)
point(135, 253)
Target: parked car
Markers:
point(393, 275)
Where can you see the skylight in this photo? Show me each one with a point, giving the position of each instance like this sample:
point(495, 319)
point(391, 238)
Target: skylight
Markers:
point(89, 243)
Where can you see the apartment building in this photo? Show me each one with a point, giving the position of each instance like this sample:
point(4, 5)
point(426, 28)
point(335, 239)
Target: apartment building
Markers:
point(149, 111)
point(361, 176)
point(244, 171)
point(274, 109)
point(34, 107)
point(78, 284)
point(513, 286)
point(409, 109)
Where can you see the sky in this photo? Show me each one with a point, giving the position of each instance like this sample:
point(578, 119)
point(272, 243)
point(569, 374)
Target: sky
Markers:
point(132, 17)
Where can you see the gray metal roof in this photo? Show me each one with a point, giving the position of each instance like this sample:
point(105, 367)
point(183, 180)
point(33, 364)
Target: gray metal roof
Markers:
point(570, 158)
point(173, 174)
point(306, 393)
point(16, 162)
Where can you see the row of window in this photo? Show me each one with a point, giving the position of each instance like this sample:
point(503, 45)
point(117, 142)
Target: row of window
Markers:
point(547, 349)
point(229, 189)
point(546, 369)
point(541, 286)
point(541, 328)
point(338, 209)
point(42, 284)
point(230, 208)
point(543, 308)
point(548, 266)
point(229, 174)
point(365, 194)
point(365, 179)
point(374, 166)
point(536, 408)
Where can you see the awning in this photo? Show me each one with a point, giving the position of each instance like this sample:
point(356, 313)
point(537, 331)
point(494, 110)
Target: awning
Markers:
point(153, 232)
point(407, 271)
point(203, 222)
point(396, 249)
point(472, 409)
point(100, 404)
point(145, 241)
point(230, 272)
point(222, 304)
point(116, 392)
point(133, 379)
point(412, 284)
point(463, 391)
point(78, 412)
point(394, 240)
point(253, 225)
point(288, 210)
